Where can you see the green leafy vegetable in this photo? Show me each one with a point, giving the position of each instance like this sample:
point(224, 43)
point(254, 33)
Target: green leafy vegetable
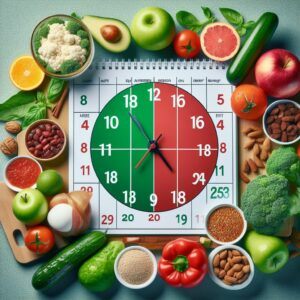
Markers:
point(40, 96)
point(236, 19)
point(36, 112)
point(16, 107)
point(74, 15)
point(55, 89)
point(189, 21)
point(232, 16)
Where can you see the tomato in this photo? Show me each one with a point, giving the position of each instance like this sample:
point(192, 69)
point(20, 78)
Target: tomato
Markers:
point(39, 239)
point(249, 101)
point(187, 44)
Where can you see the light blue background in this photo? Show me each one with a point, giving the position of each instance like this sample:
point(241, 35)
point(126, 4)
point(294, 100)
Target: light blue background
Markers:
point(17, 20)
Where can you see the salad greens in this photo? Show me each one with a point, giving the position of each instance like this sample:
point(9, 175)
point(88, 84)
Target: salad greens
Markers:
point(236, 19)
point(30, 106)
point(189, 21)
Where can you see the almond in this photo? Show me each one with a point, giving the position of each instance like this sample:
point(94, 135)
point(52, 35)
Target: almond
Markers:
point(253, 166)
point(255, 134)
point(249, 144)
point(256, 150)
point(244, 177)
point(245, 167)
point(263, 155)
point(260, 140)
point(258, 162)
point(266, 146)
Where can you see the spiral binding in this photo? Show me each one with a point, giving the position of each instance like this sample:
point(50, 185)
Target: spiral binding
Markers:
point(158, 64)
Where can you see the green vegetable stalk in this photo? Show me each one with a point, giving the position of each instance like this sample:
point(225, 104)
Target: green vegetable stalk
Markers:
point(97, 273)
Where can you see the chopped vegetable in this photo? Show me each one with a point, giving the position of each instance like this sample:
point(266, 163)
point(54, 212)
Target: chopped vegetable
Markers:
point(73, 27)
point(69, 66)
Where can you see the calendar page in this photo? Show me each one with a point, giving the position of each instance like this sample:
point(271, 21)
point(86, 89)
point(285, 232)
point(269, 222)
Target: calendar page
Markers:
point(155, 142)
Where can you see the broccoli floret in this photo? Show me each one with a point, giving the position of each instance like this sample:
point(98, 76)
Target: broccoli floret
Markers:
point(82, 34)
point(41, 61)
point(73, 26)
point(37, 44)
point(74, 15)
point(284, 161)
point(85, 43)
point(69, 66)
point(266, 203)
point(50, 69)
point(56, 20)
point(42, 32)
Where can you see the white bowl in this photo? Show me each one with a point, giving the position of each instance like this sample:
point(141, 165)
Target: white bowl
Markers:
point(214, 239)
point(136, 286)
point(217, 280)
point(12, 187)
point(266, 114)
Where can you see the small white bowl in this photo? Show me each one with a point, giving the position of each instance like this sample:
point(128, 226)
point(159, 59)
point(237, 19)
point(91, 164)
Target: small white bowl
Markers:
point(214, 239)
point(134, 286)
point(217, 280)
point(266, 114)
point(12, 187)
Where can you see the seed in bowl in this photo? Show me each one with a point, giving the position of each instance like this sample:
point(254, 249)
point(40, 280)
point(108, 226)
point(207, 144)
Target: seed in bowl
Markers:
point(225, 224)
point(45, 140)
point(231, 266)
point(283, 122)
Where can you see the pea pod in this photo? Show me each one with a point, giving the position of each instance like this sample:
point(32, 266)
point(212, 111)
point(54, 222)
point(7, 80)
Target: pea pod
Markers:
point(253, 46)
point(55, 89)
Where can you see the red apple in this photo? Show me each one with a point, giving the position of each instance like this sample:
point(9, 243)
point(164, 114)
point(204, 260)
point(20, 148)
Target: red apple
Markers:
point(277, 72)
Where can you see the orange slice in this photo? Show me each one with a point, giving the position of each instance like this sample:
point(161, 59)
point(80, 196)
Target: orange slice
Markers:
point(25, 73)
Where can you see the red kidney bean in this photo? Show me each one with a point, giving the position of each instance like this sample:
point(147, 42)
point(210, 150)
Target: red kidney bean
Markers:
point(45, 140)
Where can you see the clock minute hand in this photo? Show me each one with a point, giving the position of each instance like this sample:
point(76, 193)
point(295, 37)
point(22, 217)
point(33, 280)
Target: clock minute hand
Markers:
point(164, 159)
point(140, 127)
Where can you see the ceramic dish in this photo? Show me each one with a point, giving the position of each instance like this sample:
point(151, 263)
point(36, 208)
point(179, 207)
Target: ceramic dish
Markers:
point(213, 238)
point(36, 124)
point(133, 286)
point(8, 183)
point(89, 57)
point(217, 280)
point(266, 115)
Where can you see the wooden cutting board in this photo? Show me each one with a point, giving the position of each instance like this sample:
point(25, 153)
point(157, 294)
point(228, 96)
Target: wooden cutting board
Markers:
point(12, 226)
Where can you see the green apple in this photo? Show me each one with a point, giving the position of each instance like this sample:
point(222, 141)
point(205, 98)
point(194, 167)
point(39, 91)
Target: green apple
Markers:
point(153, 28)
point(30, 207)
point(269, 253)
point(49, 182)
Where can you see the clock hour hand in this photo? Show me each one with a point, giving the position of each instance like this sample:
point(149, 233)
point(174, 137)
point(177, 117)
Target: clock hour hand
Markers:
point(140, 127)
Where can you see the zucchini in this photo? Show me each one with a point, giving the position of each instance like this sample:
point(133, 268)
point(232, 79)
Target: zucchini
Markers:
point(252, 47)
point(68, 259)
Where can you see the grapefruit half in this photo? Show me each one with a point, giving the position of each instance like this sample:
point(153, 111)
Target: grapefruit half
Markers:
point(220, 41)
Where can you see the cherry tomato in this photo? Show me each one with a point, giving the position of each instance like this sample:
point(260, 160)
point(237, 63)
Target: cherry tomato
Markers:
point(187, 44)
point(39, 239)
point(249, 101)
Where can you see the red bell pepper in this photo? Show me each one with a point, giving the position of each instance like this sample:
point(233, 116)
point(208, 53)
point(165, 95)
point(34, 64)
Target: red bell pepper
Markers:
point(183, 263)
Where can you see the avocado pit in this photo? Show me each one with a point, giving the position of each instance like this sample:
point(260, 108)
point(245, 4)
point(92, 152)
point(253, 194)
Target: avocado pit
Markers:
point(111, 33)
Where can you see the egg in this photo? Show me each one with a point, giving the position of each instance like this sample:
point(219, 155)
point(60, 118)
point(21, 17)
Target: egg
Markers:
point(60, 217)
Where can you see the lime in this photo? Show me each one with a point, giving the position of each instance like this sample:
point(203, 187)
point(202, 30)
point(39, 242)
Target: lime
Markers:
point(50, 182)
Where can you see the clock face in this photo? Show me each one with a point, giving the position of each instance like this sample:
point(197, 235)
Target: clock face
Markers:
point(154, 147)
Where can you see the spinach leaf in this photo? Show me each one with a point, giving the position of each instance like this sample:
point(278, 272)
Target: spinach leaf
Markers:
point(55, 89)
point(40, 96)
point(17, 106)
point(232, 16)
point(36, 112)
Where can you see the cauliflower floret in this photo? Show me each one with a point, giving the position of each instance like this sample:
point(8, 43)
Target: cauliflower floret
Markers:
point(60, 45)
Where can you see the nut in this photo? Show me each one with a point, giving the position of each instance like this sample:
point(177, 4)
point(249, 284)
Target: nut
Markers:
point(9, 146)
point(111, 33)
point(13, 127)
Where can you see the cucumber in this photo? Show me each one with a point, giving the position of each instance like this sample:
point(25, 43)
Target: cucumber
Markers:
point(67, 259)
point(252, 47)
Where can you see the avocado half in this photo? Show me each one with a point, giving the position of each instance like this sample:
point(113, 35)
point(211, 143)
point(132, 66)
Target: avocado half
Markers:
point(94, 24)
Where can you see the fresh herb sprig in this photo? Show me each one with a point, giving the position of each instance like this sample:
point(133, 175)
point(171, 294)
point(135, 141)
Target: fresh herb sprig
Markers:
point(237, 20)
point(189, 21)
